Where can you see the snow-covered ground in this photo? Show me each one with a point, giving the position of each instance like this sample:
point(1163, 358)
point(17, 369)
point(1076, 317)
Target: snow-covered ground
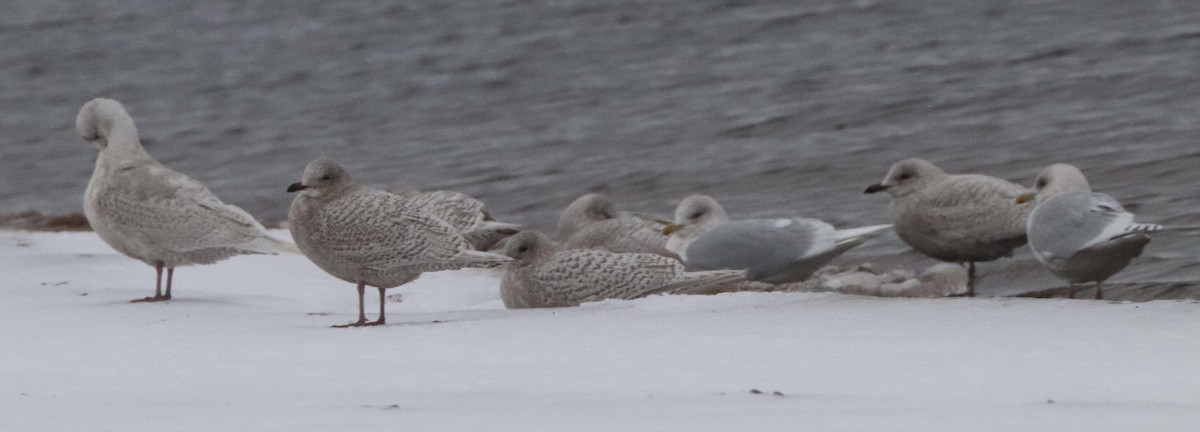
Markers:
point(246, 345)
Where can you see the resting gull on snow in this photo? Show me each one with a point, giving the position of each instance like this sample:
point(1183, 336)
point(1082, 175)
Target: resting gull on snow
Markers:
point(542, 275)
point(593, 222)
point(154, 214)
point(1079, 235)
point(962, 218)
point(371, 237)
point(770, 250)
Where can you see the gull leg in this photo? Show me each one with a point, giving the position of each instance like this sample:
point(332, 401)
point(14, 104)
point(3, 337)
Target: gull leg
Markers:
point(1099, 291)
point(382, 319)
point(170, 277)
point(1071, 291)
point(158, 266)
point(362, 314)
point(971, 279)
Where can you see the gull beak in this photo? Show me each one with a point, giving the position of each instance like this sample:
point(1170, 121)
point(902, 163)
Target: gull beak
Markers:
point(670, 228)
point(878, 187)
point(1026, 197)
point(297, 187)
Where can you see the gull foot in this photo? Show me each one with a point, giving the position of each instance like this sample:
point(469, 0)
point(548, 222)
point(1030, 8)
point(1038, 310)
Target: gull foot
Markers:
point(154, 299)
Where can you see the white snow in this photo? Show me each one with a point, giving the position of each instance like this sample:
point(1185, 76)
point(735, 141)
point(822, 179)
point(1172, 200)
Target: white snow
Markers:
point(246, 345)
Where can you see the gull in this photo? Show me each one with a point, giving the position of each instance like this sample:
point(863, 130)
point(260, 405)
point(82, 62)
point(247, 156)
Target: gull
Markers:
point(369, 237)
point(593, 222)
point(154, 214)
point(1079, 235)
point(961, 218)
point(544, 275)
point(770, 250)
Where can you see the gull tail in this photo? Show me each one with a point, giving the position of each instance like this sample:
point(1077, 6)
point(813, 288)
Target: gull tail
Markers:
point(269, 245)
point(1137, 228)
point(285, 246)
point(698, 281)
point(489, 233)
point(477, 259)
point(859, 235)
point(505, 227)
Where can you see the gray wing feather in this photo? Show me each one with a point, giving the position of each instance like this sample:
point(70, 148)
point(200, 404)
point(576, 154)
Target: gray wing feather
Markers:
point(761, 246)
point(1071, 222)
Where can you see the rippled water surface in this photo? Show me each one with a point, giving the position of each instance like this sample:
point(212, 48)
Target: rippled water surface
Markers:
point(773, 107)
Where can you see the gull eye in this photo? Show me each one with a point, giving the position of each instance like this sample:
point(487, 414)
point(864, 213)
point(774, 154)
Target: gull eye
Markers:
point(522, 249)
point(325, 177)
point(904, 176)
point(696, 215)
point(1041, 183)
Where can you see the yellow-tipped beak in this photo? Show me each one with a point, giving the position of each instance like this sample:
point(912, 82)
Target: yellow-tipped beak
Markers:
point(1026, 197)
point(670, 228)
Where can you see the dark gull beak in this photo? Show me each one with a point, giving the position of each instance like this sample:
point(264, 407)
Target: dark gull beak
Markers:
point(297, 187)
point(878, 187)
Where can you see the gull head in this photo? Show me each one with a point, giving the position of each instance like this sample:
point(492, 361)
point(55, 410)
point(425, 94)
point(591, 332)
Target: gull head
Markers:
point(528, 246)
point(906, 177)
point(104, 122)
point(586, 209)
point(1055, 180)
point(321, 177)
point(694, 215)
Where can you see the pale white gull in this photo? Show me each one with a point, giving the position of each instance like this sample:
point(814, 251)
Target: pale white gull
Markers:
point(154, 214)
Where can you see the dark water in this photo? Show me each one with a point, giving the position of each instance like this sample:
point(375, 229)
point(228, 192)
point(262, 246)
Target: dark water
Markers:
point(773, 107)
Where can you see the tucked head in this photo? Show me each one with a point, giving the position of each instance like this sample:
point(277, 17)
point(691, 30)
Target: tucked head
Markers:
point(589, 208)
point(320, 176)
point(696, 211)
point(105, 124)
point(1055, 180)
point(907, 176)
point(526, 246)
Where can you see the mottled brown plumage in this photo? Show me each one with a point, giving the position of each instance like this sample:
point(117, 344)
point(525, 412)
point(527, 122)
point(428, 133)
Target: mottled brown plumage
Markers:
point(544, 275)
point(371, 237)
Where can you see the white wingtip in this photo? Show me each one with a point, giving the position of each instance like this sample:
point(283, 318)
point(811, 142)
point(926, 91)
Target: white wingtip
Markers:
point(861, 233)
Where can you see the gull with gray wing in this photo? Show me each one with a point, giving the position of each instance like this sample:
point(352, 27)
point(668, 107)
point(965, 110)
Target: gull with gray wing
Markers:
point(1079, 235)
point(770, 250)
point(154, 214)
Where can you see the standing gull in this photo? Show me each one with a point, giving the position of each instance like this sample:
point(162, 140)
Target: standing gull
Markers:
point(770, 250)
point(962, 218)
point(1079, 235)
point(542, 275)
point(154, 214)
point(593, 222)
point(371, 237)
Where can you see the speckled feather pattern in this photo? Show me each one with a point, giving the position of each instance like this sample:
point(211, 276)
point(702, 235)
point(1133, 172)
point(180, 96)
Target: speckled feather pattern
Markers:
point(356, 233)
point(569, 277)
point(459, 210)
point(626, 233)
point(152, 213)
point(962, 218)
